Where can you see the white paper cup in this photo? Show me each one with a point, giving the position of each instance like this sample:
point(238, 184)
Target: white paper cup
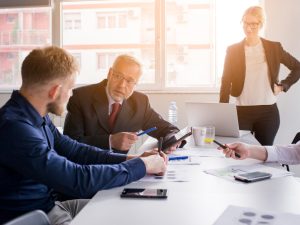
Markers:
point(199, 134)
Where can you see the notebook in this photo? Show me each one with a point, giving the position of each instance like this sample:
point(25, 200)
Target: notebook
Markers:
point(223, 116)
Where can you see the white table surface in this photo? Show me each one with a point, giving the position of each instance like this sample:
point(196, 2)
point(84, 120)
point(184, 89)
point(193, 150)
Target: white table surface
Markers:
point(200, 201)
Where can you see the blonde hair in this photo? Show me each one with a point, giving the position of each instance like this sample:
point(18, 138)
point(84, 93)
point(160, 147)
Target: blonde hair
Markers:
point(256, 11)
point(43, 65)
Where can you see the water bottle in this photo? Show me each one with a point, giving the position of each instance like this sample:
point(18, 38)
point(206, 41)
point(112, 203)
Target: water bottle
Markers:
point(172, 113)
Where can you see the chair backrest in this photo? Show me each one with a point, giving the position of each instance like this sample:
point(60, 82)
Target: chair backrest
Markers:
point(296, 138)
point(36, 217)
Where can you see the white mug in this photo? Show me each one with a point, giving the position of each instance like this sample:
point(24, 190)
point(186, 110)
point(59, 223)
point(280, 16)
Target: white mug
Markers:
point(199, 134)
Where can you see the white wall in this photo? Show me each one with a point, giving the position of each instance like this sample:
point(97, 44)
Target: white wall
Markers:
point(283, 25)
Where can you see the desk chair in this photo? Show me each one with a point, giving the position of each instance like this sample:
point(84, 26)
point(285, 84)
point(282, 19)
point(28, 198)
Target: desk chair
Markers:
point(295, 140)
point(36, 217)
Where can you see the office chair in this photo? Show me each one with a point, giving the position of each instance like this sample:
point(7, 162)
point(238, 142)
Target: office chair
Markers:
point(295, 140)
point(36, 217)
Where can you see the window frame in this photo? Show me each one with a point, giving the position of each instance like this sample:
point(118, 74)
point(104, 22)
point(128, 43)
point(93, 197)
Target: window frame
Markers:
point(160, 53)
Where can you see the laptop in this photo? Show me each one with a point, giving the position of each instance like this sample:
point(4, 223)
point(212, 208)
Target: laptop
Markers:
point(223, 116)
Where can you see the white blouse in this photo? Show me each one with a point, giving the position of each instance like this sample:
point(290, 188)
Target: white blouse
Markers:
point(257, 89)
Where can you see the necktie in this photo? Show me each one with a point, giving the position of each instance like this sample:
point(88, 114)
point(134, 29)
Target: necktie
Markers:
point(116, 107)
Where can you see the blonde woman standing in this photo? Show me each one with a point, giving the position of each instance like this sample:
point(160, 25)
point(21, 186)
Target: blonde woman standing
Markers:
point(250, 75)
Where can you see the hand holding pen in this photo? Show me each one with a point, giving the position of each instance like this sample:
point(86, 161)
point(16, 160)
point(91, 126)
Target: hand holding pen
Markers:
point(147, 131)
point(229, 152)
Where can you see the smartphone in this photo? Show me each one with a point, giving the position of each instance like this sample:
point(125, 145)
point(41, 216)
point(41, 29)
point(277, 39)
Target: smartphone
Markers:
point(252, 176)
point(175, 139)
point(144, 193)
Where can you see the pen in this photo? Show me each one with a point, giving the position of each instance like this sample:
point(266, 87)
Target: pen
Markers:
point(177, 157)
point(160, 141)
point(224, 147)
point(147, 131)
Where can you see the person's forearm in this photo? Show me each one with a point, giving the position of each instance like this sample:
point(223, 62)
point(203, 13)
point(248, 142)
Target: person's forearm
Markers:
point(131, 157)
point(258, 152)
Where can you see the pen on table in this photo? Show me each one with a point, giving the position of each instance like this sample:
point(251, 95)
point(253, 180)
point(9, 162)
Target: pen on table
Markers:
point(177, 157)
point(147, 131)
point(224, 147)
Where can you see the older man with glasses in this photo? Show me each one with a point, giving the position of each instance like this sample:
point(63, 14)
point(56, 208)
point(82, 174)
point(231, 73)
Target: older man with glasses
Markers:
point(109, 114)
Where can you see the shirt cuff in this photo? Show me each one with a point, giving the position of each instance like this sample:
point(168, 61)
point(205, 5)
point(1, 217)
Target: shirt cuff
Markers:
point(109, 142)
point(272, 154)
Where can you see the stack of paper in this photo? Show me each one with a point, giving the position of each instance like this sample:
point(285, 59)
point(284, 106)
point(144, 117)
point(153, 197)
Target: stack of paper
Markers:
point(230, 171)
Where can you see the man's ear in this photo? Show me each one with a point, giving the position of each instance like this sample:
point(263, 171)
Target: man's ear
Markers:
point(110, 73)
point(54, 91)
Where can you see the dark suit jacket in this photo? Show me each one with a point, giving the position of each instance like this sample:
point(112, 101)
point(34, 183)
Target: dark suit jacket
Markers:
point(87, 118)
point(234, 68)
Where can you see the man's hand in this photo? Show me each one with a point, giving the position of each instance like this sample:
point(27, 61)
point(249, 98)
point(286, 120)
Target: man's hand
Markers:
point(123, 140)
point(171, 149)
point(155, 164)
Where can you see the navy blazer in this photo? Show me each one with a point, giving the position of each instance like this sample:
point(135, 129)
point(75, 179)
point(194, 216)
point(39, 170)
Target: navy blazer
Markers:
point(235, 68)
point(87, 118)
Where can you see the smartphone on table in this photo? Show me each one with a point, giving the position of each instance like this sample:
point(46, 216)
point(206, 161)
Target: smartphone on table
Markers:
point(144, 193)
point(252, 176)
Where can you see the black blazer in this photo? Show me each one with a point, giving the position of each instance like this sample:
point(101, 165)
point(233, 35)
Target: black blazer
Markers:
point(87, 117)
point(235, 68)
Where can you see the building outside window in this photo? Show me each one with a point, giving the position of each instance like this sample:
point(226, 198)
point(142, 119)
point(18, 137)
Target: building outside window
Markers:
point(21, 30)
point(181, 44)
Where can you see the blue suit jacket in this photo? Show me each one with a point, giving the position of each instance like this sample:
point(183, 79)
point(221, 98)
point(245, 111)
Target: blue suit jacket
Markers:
point(35, 159)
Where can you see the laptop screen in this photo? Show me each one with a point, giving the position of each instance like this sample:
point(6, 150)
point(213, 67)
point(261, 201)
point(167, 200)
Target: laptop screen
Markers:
point(223, 116)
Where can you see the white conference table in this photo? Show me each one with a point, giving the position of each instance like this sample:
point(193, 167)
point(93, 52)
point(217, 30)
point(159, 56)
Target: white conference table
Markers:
point(200, 201)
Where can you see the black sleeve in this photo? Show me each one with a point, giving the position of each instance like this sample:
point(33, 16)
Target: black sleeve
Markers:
point(75, 123)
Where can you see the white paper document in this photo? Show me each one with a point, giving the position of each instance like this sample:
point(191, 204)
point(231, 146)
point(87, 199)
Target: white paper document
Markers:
point(235, 215)
point(200, 152)
point(191, 160)
point(229, 172)
point(174, 174)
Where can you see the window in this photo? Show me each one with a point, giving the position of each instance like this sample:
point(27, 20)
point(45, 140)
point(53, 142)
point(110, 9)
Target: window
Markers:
point(72, 21)
point(111, 20)
point(181, 44)
point(77, 56)
point(21, 30)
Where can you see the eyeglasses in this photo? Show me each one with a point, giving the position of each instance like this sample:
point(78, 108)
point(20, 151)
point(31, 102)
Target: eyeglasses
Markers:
point(251, 25)
point(119, 77)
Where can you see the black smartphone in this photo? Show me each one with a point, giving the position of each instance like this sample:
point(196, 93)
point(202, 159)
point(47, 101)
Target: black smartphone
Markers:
point(175, 139)
point(144, 193)
point(252, 176)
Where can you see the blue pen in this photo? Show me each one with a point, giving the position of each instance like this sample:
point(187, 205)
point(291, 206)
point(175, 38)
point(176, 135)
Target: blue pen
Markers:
point(178, 157)
point(147, 131)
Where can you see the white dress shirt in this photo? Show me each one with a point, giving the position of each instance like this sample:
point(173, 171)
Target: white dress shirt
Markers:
point(285, 154)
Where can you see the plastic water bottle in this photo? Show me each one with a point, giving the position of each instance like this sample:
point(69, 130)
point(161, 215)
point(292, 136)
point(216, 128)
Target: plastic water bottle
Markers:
point(172, 113)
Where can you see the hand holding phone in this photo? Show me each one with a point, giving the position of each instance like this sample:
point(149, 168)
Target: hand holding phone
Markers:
point(224, 147)
point(252, 176)
point(177, 138)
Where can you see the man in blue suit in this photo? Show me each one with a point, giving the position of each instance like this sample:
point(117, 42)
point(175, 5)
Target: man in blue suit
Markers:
point(35, 159)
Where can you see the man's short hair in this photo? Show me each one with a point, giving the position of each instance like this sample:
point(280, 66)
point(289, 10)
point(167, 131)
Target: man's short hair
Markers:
point(46, 64)
point(127, 59)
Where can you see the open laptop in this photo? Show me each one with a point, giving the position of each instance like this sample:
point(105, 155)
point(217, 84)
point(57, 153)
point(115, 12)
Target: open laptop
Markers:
point(223, 116)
